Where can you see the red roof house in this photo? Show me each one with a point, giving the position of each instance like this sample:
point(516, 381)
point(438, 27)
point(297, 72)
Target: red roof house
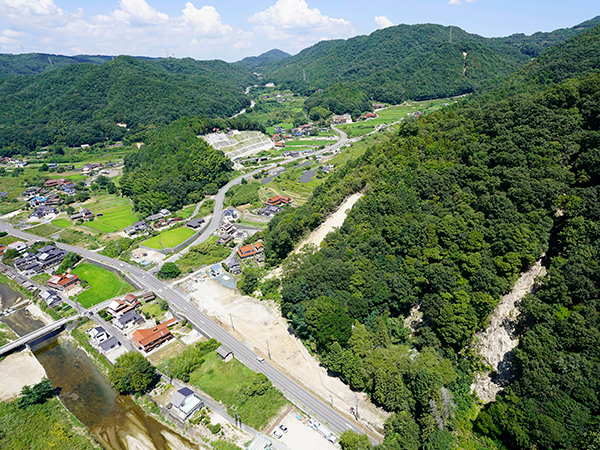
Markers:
point(148, 339)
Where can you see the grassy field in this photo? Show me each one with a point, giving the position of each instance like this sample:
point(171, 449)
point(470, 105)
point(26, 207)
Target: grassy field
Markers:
point(103, 284)
point(392, 114)
point(8, 240)
point(41, 278)
point(153, 309)
point(63, 223)
point(225, 382)
point(44, 230)
point(169, 238)
point(203, 254)
point(117, 213)
point(41, 427)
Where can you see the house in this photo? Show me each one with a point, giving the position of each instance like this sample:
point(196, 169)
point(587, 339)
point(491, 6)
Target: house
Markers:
point(154, 217)
point(148, 339)
point(269, 211)
point(98, 335)
point(50, 255)
point(3, 194)
point(27, 262)
point(278, 200)
point(195, 224)
point(344, 118)
point(184, 403)
point(378, 105)
point(64, 282)
point(259, 257)
point(230, 214)
point(43, 211)
point(215, 270)
point(51, 298)
point(116, 307)
point(2, 249)
point(234, 266)
point(225, 239)
point(128, 318)
point(147, 296)
point(228, 228)
point(225, 353)
point(165, 212)
point(137, 227)
point(109, 344)
point(259, 246)
point(51, 182)
point(279, 144)
point(19, 246)
point(246, 251)
point(370, 115)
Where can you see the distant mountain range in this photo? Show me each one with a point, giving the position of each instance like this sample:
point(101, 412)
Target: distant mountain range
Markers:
point(80, 99)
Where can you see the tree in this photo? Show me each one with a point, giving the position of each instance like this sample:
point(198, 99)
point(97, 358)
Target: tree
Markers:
point(39, 393)
point(132, 373)
point(249, 282)
point(10, 254)
point(169, 270)
point(350, 440)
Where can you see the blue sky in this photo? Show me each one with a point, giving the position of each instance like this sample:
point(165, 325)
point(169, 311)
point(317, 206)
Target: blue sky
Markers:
point(231, 30)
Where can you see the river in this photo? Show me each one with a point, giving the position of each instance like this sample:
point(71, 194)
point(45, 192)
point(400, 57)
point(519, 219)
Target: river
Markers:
point(114, 420)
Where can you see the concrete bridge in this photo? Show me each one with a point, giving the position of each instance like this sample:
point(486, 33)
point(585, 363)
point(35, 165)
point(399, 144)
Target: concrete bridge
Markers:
point(35, 335)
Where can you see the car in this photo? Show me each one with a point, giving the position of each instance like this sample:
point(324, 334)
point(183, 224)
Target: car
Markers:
point(283, 428)
point(277, 434)
point(260, 359)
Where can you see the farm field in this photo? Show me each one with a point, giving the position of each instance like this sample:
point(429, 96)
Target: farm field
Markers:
point(103, 284)
point(169, 238)
point(63, 223)
point(203, 254)
point(117, 213)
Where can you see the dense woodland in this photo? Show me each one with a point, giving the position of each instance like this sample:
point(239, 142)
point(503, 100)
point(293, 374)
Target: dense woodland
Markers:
point(83, 103)
point(454, 208)
point(175, 167)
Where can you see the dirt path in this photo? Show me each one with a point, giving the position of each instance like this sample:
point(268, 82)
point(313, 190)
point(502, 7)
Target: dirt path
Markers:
point(497, 342)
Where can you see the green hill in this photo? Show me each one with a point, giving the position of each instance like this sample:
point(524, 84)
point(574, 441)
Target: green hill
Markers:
point(255, 62)
point(82, 103)
point(455, 206)
point(415, 62)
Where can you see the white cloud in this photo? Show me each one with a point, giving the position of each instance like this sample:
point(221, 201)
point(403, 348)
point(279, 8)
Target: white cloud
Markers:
point(454, 2)
point(134, 28)
point(293, 18)
point(383, 22)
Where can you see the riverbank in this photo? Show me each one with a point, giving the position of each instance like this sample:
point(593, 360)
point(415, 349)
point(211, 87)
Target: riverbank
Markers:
point(18, 370)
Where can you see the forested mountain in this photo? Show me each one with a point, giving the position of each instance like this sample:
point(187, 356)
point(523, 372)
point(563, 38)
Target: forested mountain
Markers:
point(82, 103)
point(455, 207)
point(35, 63)
point(255, 62)
point(406, 62)
point(175, 167)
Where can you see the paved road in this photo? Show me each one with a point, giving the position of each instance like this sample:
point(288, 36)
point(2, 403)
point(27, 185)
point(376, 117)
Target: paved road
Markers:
point(35, 334)
point(301, 397)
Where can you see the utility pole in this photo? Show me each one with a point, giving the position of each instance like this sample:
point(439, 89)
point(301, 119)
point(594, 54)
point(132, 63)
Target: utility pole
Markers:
point(269, 351)
point(451, 34)
point(356, 405)
point(230, 317)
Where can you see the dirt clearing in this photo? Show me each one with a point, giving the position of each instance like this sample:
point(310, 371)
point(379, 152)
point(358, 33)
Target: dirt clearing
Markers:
point(259, 321)
point(18, 370)
point(497, 342)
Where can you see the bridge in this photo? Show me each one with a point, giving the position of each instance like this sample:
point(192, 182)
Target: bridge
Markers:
point(35, 335)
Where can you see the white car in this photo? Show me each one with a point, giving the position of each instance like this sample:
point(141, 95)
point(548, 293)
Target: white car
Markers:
point(277, 434)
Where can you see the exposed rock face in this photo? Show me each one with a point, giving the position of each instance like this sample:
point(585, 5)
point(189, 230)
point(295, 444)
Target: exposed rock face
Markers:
point(497, 342)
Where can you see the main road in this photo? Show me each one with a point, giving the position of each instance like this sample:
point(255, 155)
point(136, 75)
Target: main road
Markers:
point(300, 396)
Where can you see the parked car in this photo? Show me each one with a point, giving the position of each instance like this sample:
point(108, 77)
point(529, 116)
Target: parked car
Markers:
point(260, 359)
point(277, 434)
point(283, 428)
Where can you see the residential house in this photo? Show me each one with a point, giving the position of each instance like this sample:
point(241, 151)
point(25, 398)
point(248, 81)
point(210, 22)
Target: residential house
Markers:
point(269, 211)
point(165, 212)
point(43, 211)
point(51, 182)
point(64, 282)
point(230, 214)
point(225, 239)
point(344, 118)
point(259, 257)
point(195, 224)
point(278, 200)
point(276, 171)
point(246, 251)
point(147, 296)
point(259, 247)
point(19, 246)
point(109, 344)
point(131, 317)
point(148, 339)
point(225, 353)
point(51, 298)
point(184, 403)
point(2, 249)
point(370, 115)
point(50, 255)
point(27, 262)
point(98, 335)
point(228, 228)
point(279, 144)
point(137, 227)
point(154, 217)
point(215, 270)
point(234, 266)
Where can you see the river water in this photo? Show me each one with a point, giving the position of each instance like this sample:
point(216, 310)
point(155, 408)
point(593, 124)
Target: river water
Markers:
point(114, 420)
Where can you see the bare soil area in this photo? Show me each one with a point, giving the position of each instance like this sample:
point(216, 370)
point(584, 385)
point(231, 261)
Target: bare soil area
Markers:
point(336, 220)
point(18, 370)
point(257, 322)
point(497, 342)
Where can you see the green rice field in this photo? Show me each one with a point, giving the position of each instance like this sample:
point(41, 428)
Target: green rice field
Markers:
point(169, 239)
point(103, 284)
